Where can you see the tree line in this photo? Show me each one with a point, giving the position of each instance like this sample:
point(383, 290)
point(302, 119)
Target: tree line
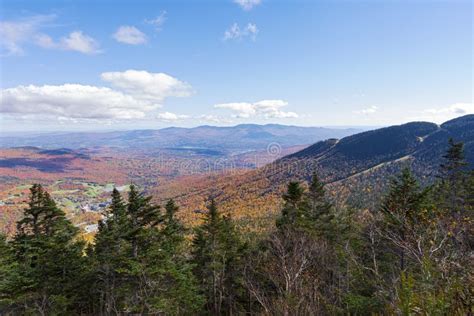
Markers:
point(411, 256)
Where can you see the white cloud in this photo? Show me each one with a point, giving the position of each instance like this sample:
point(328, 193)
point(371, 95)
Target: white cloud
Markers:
point(72, 101)
point(368, 110)
point(158, 21)
point(75, 41)
point(137, 93)
point(247, 4)
point(443, 114)
point(234, 32)
point(252, 30)
point(79, 42)
point(45, 41)
point(130, 35)
point(265, 108)
point(148, 86)
point(15, 34)
point(280, 114)
point(210, 118)
point(243, 109)
point(171, 117)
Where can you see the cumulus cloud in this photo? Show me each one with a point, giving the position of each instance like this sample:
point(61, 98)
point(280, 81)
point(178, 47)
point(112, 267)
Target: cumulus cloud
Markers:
point(171, 117)
point(158, 21)
point(79, 42)
point(264, 108)
point(243, 109)
point(443, 114)
point(247, 4)
point(235, 32)
point(368, 110)
point(75, 41)
point(72, 101)
point(136, 94)
point(148, 86)
point(130, 35)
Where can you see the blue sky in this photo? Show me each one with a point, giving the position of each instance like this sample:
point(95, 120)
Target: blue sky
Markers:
point(88, 65)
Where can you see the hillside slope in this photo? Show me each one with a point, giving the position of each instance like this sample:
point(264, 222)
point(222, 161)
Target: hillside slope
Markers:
point(351, 167)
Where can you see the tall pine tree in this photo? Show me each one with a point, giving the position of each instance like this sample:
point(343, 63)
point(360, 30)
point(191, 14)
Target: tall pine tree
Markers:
point(321, 212)
point(142, 214)
point(9, 274)
point(172, 286)
point(217, 255)
point(111, 257)
point(403, 207)
point(49, 258)
point(453, 175)
point(295, 212)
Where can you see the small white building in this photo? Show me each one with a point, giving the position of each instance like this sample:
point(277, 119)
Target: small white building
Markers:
point(91, 228)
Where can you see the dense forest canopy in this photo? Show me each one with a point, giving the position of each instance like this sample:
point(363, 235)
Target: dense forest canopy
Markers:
point(412, 255)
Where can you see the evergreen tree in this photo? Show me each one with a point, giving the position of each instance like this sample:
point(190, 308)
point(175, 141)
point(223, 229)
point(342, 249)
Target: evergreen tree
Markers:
point(141, 214)
point(454, 195)
point(116, 215)
point(308, 210)
point(321, 211)
point(111, 256)
point(453, 175)
point(405, 206)
point(295, 211)
point(298, 268)
point(8, 276)
point(173, 229)
point(454, 163)
point(140, 231)
point(140, 259)
point(49, 259)
point(172, 286)
point(217, 255)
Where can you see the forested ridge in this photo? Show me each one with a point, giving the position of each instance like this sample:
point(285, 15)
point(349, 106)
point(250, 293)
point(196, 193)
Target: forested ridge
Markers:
point(412, 255)
point(355, 170)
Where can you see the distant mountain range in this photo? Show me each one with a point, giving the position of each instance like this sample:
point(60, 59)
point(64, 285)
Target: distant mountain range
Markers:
point(241, 137)
point(356, 169)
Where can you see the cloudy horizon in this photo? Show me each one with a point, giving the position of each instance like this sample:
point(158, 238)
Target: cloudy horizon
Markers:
point(244, 61)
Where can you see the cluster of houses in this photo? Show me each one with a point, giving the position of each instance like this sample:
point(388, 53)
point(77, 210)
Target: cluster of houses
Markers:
point(93, 207)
